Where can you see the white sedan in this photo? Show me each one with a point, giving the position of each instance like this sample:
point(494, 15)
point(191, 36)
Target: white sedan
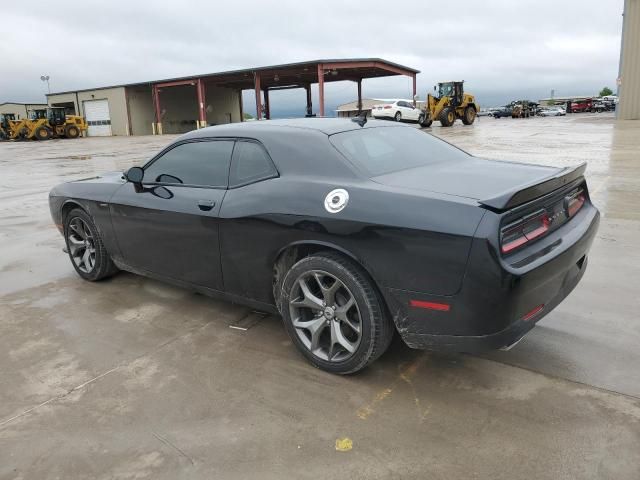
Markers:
point(398, 110)
point(552, 112)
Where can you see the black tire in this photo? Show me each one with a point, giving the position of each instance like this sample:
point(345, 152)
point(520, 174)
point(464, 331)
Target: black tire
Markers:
point(447, 117)
point(375, 327)
point(102, 265)
point(42, 133)
point(71, 131)
point(397, 117)
point(469, 115)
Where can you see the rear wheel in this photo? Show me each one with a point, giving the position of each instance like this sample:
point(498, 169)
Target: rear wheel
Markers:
point(469, 115)
point(71, 131)
point(333, 313)
point(42, 133)
point(397, 117)
point(447, 117)
point(88, 254)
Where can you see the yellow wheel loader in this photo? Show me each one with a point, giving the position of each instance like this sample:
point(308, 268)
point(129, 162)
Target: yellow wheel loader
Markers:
point(5, 129)
point(448, 103)
point(53, 122)
point(12, 129)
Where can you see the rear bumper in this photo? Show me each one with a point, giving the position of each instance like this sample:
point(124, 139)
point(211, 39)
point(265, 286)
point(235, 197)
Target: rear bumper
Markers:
point(504, 338)
point(493, 308)
point(388, 113)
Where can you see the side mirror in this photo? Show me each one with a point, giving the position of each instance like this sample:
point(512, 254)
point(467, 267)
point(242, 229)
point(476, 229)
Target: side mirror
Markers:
point(435, 87)
point(134, 175)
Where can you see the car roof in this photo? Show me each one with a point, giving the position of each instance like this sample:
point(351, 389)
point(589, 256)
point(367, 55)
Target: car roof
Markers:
point(328, 126)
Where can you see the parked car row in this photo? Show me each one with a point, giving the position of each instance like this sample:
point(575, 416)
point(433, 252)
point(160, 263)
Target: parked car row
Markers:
point(403, 110)
point(511, 111)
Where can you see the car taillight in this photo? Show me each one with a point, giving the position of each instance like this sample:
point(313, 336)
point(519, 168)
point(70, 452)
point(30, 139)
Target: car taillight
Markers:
point(387, 106)
point(532, 313)
point(575, 202)
point(525, 230)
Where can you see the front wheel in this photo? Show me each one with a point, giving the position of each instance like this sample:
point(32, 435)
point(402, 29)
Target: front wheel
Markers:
point(42, 133)
point(71, 131)
point(447, 117)
point(86, 251)
point(333, 313)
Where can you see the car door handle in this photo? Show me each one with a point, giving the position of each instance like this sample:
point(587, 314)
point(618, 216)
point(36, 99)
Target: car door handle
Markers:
point(206, 205)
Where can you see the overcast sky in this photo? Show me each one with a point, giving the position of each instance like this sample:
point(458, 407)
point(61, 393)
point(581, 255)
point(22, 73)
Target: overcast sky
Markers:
point(503, 49)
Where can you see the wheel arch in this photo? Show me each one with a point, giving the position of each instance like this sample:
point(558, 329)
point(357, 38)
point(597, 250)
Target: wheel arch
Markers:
point(290, 254)
point(69, 205)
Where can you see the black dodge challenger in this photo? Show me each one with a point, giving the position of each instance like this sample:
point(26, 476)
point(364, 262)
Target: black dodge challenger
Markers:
point(351, 230)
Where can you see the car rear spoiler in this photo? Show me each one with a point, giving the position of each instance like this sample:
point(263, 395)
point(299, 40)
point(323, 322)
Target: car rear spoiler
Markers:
point(513, 198)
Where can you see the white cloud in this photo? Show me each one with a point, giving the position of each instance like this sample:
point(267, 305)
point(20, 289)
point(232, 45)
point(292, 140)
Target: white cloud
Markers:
point(495, 45)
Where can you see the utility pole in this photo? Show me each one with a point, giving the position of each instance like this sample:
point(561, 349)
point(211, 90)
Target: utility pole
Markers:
point(45, 78)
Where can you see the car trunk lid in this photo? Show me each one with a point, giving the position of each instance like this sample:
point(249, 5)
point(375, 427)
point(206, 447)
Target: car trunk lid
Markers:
point(497, 185)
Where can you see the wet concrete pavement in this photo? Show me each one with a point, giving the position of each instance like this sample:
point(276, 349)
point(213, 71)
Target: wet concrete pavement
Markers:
point(131, 378)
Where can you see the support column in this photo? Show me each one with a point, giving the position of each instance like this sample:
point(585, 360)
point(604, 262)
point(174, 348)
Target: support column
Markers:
point(309, 103)
point(241, 106)
point(267, 110)
point(359, 95)
point(414, 90)
point(156, 103)
point(321, 89)
point(256, 84)
point(202, 115)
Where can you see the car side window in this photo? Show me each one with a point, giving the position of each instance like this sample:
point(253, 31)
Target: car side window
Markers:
point(201, 163)
point(250, 163)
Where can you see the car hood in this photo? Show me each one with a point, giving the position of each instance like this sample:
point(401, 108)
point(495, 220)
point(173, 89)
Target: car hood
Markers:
point(108, 177)
point(98, 188)
point(473, 178)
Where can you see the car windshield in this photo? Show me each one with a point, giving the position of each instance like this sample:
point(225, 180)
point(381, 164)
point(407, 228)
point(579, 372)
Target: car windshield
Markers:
point(381, 150)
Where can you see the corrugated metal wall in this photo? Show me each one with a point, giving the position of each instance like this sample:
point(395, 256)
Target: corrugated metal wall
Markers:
point(629, 92)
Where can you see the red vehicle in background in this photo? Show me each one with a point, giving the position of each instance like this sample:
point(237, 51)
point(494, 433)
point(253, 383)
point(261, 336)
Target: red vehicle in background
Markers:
point(579, 106)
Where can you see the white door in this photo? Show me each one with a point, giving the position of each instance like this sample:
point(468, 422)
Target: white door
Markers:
point(98, 118)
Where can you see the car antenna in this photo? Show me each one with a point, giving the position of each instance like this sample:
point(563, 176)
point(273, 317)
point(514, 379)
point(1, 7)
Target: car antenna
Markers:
point(361, 119)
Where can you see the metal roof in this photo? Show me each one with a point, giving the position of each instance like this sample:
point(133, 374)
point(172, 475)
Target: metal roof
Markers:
point(304, 72)
point(23, 104)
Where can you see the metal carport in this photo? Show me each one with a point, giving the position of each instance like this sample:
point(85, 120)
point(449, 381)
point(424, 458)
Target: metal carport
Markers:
point(281, 77)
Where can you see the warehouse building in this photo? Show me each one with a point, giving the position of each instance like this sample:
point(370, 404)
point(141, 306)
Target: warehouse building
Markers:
point(179, 105)
point(20, 110)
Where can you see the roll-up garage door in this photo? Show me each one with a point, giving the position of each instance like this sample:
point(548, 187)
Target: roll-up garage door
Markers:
point(97, 114)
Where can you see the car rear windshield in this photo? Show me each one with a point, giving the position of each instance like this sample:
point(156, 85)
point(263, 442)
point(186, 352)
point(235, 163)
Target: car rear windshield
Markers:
point(381, 150)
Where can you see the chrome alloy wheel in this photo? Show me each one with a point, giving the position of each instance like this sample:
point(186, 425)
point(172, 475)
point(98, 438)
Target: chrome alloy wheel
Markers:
point(325, 316)
point(81, 245)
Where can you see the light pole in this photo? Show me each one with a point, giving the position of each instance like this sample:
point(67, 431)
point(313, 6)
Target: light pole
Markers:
point(45, 78)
